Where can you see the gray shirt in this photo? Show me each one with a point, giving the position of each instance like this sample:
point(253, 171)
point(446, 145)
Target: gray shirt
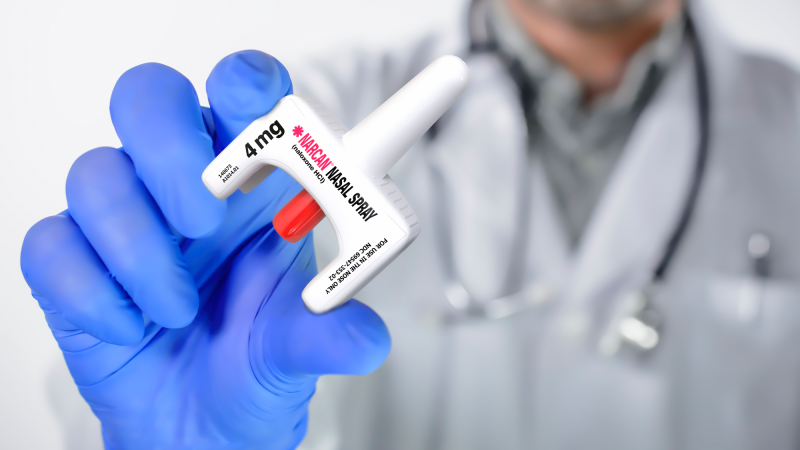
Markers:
point(579, 144)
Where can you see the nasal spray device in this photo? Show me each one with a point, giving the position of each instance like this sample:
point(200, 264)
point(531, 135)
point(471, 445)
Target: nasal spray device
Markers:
point(343, 173)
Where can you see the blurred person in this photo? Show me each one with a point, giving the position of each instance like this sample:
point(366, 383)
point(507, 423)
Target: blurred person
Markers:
point(608, 258)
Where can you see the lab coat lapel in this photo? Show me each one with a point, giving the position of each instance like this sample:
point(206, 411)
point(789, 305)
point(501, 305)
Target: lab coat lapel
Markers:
point(640, 207)
point(480, 157)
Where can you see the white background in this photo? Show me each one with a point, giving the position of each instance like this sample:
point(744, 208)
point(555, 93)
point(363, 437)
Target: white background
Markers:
point(59, 62)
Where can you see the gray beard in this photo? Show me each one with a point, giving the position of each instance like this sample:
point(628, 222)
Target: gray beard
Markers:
point(596, 13)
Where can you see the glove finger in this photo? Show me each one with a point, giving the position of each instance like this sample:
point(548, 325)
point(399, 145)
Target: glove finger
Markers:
point(126, 229)
point(349, 340)
point(158, 119)
point(70, 281)
point(243, 87)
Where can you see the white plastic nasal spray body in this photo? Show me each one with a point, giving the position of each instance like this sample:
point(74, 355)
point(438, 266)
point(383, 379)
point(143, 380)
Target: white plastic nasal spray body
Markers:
point(344, 171)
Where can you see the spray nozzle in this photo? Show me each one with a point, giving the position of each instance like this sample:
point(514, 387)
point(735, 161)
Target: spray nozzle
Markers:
point(383, 137)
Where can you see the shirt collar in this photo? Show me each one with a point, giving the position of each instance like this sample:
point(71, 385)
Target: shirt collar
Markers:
point(559, 107)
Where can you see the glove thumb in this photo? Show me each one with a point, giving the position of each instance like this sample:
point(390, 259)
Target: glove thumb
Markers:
point(349, 340)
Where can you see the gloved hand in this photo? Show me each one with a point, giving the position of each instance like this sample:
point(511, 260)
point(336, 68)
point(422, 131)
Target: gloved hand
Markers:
point(180, 315)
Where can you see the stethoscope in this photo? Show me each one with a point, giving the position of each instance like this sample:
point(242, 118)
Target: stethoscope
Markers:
point(636, 322)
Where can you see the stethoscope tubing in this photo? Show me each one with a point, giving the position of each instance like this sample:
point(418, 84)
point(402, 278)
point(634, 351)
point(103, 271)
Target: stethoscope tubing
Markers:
point(527, 93)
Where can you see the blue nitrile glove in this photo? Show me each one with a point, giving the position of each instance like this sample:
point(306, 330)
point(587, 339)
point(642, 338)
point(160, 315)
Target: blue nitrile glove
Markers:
point(180, 315)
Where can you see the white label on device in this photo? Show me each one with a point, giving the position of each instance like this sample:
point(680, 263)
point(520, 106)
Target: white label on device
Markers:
point(365, 219)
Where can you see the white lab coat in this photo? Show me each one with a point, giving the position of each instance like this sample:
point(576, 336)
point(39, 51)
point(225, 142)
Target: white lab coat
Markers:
point(726, 373)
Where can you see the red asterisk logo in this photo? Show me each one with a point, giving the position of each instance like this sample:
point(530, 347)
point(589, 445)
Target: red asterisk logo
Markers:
point(297, 131)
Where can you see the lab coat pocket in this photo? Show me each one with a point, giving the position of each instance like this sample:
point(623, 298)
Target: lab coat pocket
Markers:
point(742, 366)
point(741, 303)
